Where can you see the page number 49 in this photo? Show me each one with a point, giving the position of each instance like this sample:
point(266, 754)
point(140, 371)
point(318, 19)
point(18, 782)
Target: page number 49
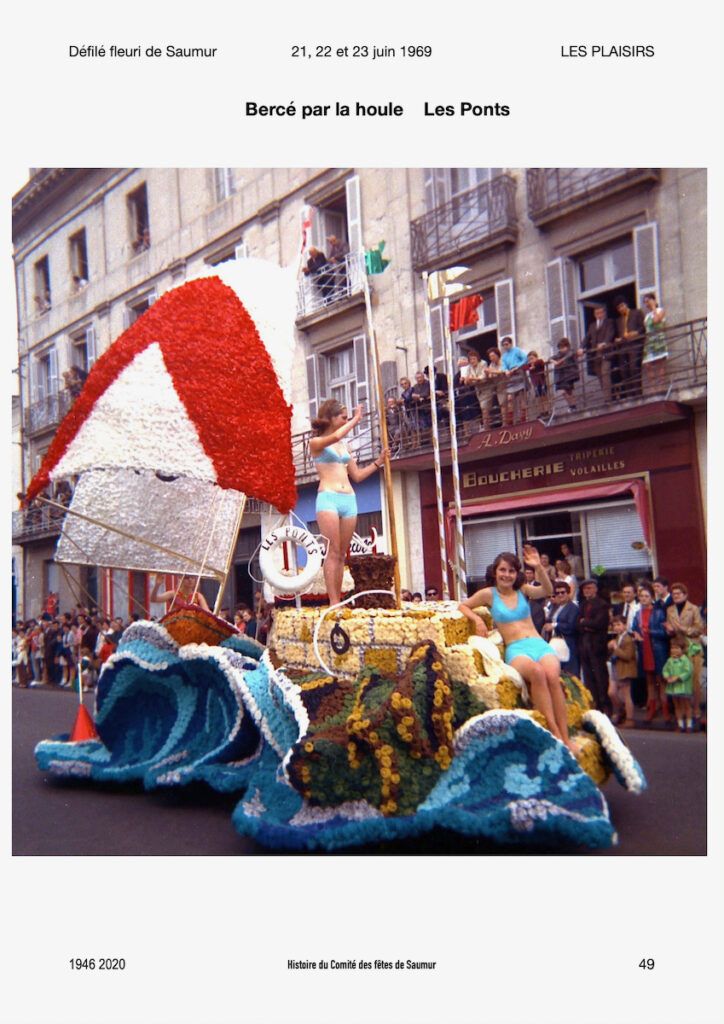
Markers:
point(647, 964)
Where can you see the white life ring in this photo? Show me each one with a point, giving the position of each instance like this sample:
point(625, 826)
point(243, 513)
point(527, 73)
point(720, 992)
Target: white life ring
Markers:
point(273, 575)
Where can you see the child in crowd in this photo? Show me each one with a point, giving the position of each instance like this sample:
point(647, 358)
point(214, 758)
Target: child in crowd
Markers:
point(677, 673)
point(565, 372)
point(623, 670)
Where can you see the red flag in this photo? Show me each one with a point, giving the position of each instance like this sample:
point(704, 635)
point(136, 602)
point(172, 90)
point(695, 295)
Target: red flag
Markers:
point(464, 312)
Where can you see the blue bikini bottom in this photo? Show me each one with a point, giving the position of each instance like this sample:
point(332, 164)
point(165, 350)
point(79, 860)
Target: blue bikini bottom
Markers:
point(345, 505)
point(533, 647)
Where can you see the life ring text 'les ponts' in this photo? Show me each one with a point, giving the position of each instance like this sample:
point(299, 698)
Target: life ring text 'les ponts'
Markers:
point(273, 574)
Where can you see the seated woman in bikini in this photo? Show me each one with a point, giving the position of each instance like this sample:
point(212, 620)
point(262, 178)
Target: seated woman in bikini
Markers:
point(336, 503)
point(185, 595)
point(525, 649)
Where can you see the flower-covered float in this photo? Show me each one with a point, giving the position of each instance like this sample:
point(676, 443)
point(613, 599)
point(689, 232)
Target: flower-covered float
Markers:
point(355, 724)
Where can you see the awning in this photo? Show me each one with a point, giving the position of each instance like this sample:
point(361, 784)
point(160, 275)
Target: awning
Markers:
point(535, 501)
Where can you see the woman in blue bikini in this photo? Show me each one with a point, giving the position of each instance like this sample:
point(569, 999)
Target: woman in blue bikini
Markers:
point(336, 503)
point(525, 650)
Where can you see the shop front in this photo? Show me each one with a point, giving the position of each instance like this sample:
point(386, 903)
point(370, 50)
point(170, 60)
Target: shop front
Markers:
point(625, 504)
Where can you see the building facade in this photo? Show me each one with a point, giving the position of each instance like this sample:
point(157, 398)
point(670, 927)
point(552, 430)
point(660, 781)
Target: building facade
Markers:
point(94, 248)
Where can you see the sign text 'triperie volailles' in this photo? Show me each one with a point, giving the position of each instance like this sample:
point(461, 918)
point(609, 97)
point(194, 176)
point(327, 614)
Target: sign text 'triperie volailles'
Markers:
point(583, 463)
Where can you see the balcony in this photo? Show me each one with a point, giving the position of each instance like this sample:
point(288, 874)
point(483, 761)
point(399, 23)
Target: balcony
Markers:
point(47, 412)
point(684, 381)
point(472, 222)
point(554, 192)
point(40, 522)
point(331, 288)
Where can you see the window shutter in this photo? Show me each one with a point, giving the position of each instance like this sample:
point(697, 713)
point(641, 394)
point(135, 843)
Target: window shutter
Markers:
point(611, 532)
point(483, 541)
point(152, 296)
point(321, 378)
point(312, 386)
point(354, 214)
point(561, 290)
point(429, 182)
point(52, 371)
point(90, 345)
point(37, 385)
point(219, 183)
point(504, 309)
point(360, 365)
point(646, 255)
point(126, 318)
point(438, 338)
point(241, 251)
point(569, 294)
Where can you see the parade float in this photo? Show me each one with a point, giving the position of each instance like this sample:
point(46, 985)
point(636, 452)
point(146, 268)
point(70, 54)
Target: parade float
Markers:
point(368, 721)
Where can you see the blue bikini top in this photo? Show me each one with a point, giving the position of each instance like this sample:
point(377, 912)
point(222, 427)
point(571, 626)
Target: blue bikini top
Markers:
point(327, 455)
point(501, 612)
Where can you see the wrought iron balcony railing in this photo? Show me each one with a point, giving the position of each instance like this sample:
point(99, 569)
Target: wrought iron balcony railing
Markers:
point(48, 411)
point(364, 445)
point(472, 221)
point(554, 191)
point(331, 284)
point(36, 523)
point(682, 378)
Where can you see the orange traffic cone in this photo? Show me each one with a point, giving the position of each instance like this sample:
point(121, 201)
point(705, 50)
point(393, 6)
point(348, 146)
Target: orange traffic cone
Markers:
point(83, 727)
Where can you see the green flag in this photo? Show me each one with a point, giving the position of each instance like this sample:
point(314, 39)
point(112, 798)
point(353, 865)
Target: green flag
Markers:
point(375, 263)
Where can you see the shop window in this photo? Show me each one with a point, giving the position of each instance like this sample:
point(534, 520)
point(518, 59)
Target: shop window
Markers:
point(615, 540)
point(41, 274)
point(78, 260)
point(483, 541)
point(138, 220)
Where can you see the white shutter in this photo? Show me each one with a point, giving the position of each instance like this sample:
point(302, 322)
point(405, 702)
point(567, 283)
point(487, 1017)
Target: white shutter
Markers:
point(241, 251)
point(90, 346)
point(360, 364)
point(354, 214)
point(483, 541)
point(312, 386)
point(611, 533)
point(505, 309)
point(646, 255)
point(438, 337)
point(37, 382)
point(152, 296)
point(53, 371)
point(569, 295)
point(561, 291)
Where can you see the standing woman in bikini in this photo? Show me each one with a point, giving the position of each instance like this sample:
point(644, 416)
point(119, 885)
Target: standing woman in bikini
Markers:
point(525, 650)
point(336, 503)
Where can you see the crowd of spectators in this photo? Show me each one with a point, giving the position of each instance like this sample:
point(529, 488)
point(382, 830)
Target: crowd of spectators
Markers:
point(55, 648)
point(506, 386)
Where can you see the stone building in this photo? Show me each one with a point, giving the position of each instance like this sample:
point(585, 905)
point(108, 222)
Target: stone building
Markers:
point(94, 248)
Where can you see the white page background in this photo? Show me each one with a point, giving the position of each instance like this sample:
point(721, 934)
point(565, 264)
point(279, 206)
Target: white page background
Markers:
point(516, 939)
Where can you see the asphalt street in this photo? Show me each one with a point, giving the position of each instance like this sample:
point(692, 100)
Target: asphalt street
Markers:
point(53, 817)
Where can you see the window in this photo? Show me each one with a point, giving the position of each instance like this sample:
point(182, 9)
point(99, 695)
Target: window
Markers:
point(603, 275)
point(224, 183)
point(138, 222)
point(42, 285)
point(238, 251)
point(341, 378)
point(78, 260)
point(467, 203)
point(83, 348)
point(137, 307)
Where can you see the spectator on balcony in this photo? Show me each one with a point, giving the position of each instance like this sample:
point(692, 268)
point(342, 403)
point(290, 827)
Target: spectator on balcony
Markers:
point(317, 268)
point(655, 354)
point(421, 400)
point(440, 388)
point(336, 257)
point(78, 282)
point(629, 347)
point(495, 375)
point(74, 379)
point(536, 370)
point(393, 414)
point(476, 393)
point(513, 362)
point(598, 349)
point(565, 372)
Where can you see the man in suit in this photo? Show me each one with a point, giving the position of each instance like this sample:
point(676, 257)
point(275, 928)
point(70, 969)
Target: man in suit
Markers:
point(629, 347)
point(593, 643)
point(598, 345)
